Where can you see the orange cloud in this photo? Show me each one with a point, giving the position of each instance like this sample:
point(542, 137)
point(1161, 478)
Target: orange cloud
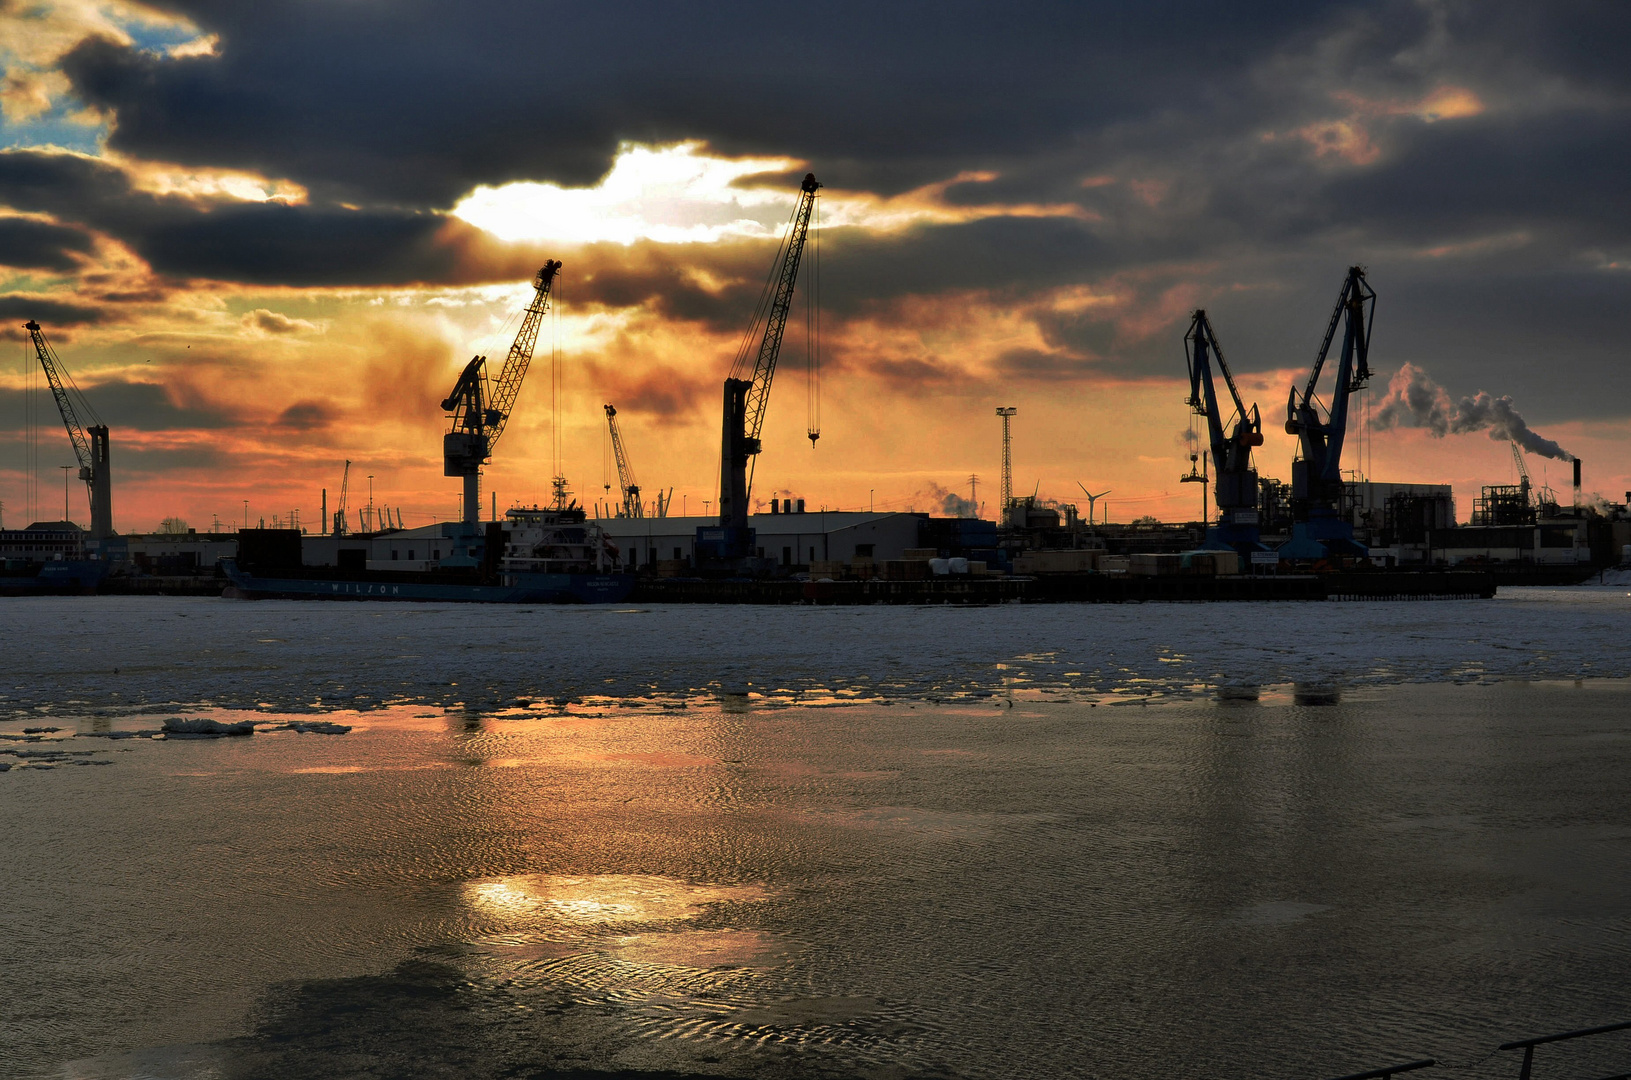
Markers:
point(1350, 138)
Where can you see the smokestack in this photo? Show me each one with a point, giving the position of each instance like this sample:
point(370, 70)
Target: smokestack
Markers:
point(1577, 482)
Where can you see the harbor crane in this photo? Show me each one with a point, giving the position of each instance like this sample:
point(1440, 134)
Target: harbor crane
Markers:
point(632, 507)
point(90, 444)
point(1319, 529)
point(745, 399)
point(340, 526)
point(1235, 493)
point(479, 409)
point(1523, 470)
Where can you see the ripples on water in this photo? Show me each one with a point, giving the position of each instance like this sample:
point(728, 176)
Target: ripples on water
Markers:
point(118, 655)
point(980, 872)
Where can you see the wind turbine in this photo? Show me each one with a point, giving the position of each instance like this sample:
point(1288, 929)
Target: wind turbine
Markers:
point(1092, 501)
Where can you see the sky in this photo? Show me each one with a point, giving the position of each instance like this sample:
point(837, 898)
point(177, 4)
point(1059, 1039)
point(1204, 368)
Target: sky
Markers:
point(264, 238)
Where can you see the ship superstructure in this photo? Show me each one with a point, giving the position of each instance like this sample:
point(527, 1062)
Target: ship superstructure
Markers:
point(549, 541)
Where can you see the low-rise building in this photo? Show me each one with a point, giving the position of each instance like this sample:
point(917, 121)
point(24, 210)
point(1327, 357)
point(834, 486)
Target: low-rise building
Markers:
point(191, 552)
point(43, 541)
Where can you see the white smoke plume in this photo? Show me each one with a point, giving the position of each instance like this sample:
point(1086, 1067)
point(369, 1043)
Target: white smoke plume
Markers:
point(946, 501)
point(1413, 399)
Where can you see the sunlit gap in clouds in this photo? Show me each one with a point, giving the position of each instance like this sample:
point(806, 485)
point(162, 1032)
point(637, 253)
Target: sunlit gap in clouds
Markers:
point(671, 194)
point(680, 194)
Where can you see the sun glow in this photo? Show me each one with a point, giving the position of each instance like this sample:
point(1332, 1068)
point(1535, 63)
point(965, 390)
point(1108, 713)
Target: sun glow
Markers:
point(672, 194)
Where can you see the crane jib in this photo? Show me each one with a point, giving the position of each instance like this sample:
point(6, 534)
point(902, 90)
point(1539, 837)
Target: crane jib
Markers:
point(65, 405)
point(526, 339)
point(764, 368)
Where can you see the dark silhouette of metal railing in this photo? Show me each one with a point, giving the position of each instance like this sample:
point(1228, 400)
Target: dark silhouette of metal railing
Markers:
point(1389, 1070)
point(1528, 1046)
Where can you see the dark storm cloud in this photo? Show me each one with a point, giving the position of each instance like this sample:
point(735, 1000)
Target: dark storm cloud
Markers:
point(21, 306)
point(39, 245)
point(307, 416)
point(646, 274)
point(252, 242)
point(415, 103)
point(1562, 171)
point(271, 244)
point(128, 405)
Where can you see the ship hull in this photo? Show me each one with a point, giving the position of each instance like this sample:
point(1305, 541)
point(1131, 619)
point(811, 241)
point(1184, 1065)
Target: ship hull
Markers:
point(516, 589)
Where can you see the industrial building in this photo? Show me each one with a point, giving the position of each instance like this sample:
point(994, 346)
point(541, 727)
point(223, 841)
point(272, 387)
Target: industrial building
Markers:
point(43, 541)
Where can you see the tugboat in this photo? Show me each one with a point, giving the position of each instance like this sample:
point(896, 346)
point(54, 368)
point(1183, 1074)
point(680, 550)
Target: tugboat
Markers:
point(534, 556)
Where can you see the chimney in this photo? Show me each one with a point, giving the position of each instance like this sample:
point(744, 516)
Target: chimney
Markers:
point(1577, 482)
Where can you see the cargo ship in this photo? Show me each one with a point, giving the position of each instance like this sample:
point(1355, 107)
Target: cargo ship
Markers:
point(534, 556)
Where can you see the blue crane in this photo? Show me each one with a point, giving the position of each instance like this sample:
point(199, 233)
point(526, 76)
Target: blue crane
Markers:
point(1236, 526)
point(1319, 530)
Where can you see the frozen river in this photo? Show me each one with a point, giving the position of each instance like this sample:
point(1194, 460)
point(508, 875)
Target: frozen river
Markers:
point(1288, 840)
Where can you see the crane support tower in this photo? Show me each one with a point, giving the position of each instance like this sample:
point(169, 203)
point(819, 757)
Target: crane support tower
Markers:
point(625, 471)
point(1235, 493)
point(479, 409)
point(90, 444)
point(1318, 529)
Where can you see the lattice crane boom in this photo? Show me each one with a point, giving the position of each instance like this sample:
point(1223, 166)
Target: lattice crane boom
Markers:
point(520, 357)
point(65, 404)
point(1525, 485)
point(781, 302)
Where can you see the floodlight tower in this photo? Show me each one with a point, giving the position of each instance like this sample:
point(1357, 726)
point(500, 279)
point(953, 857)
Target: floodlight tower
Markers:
point(1007, 412)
